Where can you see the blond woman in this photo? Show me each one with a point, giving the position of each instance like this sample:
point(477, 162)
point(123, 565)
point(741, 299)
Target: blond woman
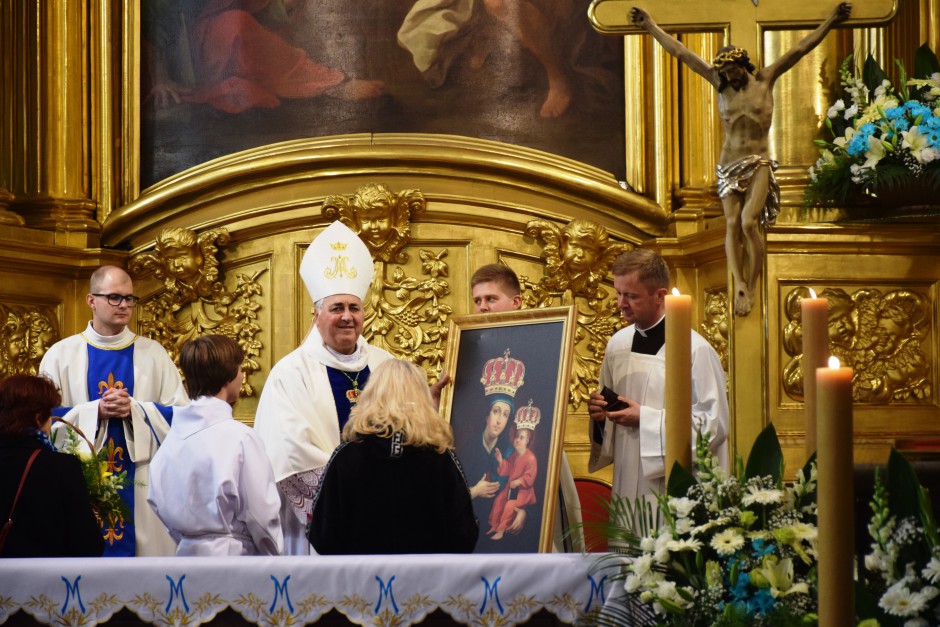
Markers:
point(394, 485)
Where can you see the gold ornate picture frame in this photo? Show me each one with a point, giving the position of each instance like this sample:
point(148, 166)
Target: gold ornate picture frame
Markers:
point(510, 374)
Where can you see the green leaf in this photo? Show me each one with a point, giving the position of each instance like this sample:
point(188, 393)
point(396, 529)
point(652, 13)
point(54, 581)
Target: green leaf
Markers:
point(872, 74)
point(766, 456)
point(925, 62)
point(680, 480)
point(809, 499)
point(926, 517)
point(903, 487)
point(866, 603)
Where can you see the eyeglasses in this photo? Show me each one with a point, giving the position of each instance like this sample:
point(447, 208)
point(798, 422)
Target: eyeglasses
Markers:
point(115, 300)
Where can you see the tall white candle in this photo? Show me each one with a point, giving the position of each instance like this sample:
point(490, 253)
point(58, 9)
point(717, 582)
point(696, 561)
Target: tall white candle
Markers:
point(835, 496)
point(815, 321)
point(678, 381)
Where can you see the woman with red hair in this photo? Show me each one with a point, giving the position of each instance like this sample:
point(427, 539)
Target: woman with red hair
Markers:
point(47, 502)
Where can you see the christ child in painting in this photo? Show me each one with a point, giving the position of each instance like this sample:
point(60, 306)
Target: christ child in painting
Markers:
point(520, 468)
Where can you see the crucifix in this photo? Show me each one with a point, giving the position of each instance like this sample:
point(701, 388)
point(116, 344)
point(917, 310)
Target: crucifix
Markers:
point(747, 187)
point(744, 20)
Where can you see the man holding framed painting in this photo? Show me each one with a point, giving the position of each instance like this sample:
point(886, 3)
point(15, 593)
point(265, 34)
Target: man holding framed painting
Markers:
point(510, 459)
point(634, 369)
point(495, 288)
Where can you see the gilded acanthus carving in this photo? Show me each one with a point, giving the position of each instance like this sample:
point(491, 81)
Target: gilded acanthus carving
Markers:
point(715, 325)
point(195, 300)
point(26, 333)
point(578, 257)
point(881, 335)
point(405, 315)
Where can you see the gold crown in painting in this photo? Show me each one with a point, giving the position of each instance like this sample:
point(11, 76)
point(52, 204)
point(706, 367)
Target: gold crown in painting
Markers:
point(339, 245)
point(503, 375)
point(528, 417)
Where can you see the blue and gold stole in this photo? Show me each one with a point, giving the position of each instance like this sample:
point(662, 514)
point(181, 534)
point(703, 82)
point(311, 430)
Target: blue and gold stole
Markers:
point(114, 368)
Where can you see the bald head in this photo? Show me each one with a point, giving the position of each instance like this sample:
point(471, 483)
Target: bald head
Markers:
point(100, 276)
point(110, 281)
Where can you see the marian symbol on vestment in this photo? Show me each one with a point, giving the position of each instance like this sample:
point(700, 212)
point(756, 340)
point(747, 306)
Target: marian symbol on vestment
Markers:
point(340, 269)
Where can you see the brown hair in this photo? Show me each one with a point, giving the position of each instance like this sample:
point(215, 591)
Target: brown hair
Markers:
point(26, 402)
point(650, 267)
point(499, 274)
point(209, 363)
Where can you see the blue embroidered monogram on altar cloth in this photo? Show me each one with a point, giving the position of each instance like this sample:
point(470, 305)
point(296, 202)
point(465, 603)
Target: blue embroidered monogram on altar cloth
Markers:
point(368, 590)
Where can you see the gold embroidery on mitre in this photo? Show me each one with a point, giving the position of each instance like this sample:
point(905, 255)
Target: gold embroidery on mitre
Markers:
point(340, 268)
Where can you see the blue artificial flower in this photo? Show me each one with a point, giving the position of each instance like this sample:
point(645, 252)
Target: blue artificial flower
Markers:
point(932, 122)
point(759, 549)
point(858, 145)
point(902, 124)
point(739, 591)
point(762, 602)
point(894, 113)
point(917, 109)
point(867, 128)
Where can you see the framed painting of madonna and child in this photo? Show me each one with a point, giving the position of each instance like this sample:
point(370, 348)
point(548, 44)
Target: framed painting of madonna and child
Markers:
point(507, 407)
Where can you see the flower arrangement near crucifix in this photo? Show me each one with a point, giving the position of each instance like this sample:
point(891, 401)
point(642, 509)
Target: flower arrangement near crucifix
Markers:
point(902, 587)
point(732, 550)
point(885, 146)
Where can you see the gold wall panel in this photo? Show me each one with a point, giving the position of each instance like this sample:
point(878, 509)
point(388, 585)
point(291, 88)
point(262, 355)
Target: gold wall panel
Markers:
point(883, 282)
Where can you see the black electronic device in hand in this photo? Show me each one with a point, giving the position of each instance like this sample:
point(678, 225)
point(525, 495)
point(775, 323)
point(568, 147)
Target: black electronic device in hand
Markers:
point(613, 403)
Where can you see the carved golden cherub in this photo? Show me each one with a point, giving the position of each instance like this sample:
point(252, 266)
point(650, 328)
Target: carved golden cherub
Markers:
point(577, 256)
point(379, 216)
point(186, 263)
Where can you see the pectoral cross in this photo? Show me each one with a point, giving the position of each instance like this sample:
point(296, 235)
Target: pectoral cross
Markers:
point(743, 21)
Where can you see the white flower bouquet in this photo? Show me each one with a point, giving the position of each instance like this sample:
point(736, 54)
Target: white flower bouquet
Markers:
point(886, 141)
point(731, 550)
point(903, 568)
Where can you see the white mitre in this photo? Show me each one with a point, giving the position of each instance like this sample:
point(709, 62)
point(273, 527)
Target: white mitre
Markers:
point(337, 262)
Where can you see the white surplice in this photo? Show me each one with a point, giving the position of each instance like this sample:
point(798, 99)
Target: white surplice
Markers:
point(156, 380)
point(212, 485)
point(638, 453)
point(298, 423)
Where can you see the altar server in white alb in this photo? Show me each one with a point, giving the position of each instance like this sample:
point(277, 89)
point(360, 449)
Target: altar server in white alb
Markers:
point(634, 367)
point(307, 397)
point(211, 482)
point(118, 388)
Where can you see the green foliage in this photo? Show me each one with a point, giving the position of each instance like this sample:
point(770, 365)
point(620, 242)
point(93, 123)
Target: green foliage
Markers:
point(872, 74)
point(766, 458)
point(680, 480)
point(925, 62)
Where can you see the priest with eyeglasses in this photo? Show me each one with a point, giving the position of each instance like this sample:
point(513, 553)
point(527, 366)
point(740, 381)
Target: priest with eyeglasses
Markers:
point(118, 388)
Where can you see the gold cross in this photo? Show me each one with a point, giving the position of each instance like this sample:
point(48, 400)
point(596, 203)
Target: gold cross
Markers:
point(745, 20)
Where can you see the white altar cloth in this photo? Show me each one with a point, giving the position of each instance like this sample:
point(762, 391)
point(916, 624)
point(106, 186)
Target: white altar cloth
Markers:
point(367, 589)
